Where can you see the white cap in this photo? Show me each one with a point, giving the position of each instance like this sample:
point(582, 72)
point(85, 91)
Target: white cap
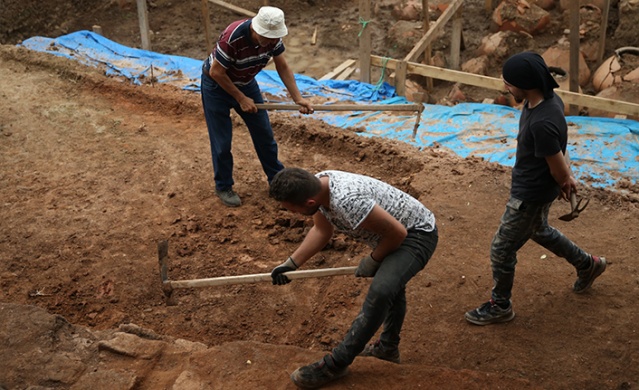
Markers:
point(269, 23)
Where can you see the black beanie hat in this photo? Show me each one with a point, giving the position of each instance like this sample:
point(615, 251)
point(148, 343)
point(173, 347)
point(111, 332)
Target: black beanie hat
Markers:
point(528, 70)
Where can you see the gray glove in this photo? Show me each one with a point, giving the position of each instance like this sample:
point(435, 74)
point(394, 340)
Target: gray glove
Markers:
point(278, 272)
point(367, 267)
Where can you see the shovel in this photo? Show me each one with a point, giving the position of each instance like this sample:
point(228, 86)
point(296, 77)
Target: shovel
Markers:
point(575, 207)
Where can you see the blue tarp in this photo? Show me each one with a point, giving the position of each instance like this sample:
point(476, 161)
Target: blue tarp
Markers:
point(602, 150)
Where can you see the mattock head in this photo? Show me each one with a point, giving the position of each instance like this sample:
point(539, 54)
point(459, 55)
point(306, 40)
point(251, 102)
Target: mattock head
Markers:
point(163, 259)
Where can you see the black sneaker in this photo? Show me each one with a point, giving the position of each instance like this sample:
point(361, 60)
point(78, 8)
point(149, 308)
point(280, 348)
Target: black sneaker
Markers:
point(376, 350)
point(587, 276)
point(490, 313)
point(318, 374)
point(229, 197)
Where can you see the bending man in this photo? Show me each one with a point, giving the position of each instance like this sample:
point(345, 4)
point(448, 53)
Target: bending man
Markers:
point(401, 233)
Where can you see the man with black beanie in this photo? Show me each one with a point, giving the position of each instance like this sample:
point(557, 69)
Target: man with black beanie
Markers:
point(540, 175)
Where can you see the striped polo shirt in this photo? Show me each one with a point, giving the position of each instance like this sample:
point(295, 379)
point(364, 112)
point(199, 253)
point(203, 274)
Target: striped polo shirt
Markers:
point(239, 55)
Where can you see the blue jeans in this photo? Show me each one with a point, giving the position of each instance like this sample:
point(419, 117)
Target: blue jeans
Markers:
point(523, 221)
point(385, 301)
point(217, 105)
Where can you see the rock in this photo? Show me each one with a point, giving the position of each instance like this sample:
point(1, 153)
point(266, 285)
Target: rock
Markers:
point(106, 380)
point(559, 56)
point(477, 65)
point(408, 10)
point(519, 15)
point(131, 345)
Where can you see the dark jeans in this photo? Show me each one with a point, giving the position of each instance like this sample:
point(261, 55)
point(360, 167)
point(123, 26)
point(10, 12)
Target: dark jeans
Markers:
point(523, 221)
point(385, 302)
point(217, 105)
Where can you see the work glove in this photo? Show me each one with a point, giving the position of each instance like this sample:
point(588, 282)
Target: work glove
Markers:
point(278, 272)
point(367, 267)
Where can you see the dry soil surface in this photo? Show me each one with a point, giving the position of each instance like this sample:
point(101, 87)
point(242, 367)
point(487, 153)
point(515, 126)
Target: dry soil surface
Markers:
point(95, 172)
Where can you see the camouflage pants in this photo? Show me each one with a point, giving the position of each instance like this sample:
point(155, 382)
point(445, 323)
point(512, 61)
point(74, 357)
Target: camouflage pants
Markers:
point(520, 222)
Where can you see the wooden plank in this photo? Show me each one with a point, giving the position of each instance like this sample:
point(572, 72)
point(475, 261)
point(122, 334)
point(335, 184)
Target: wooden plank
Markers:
point(206, 21)
point(574, 53)
point(425, 41)
point(345, 74)
point(455, 40)
point(143, 18)
point(234, 8)
point(615, 106)
point(340, 68)
point(365, 42)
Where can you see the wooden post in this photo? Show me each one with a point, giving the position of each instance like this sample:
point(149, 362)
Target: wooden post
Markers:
point(365, 42)
point(143, 17)
point(602, 33)
point(574, 52)
point(97, 29)
point(206, 20)
point(456, 38)
point(400, 78)
point(428, 52)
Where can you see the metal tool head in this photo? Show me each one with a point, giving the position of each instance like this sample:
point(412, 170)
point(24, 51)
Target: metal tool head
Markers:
point(576, 208)
point(163, 259)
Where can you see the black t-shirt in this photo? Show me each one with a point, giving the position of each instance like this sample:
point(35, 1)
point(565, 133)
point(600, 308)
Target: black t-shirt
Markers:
point(543, 132)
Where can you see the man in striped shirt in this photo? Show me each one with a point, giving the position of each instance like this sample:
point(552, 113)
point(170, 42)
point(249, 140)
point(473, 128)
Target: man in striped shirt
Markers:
point(228, 81)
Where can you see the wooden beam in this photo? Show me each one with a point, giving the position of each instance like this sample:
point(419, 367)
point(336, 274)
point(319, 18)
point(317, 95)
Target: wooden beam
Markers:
point(455, 40)
point(574, 53)
point(421, 45)
point(365, 42)
point(206, 21)
point(602, 31)
point(234, 8)
point(345, 74)
point(340, 68)
point(400, 78)
point(615, 106)
point(428, 51)
point(143, 18)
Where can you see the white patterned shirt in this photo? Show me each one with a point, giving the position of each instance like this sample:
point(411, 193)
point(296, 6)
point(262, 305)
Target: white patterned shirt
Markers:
point(353, 196)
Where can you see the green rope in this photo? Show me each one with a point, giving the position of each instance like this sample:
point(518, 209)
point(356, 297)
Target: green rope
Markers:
point(381, 78)
point(363, 23)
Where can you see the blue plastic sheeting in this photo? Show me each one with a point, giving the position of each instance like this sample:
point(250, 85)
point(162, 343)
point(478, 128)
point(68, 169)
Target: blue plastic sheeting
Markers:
point(141, 66)
point(602, 150)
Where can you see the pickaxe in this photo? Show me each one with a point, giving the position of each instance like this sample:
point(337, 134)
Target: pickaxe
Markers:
point(419, 108)
point(169, 285)
point(575, 207)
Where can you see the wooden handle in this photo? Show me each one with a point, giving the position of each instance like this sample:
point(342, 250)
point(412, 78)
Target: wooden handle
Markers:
point(255, 278)
point(344, 107)
point(573, 201)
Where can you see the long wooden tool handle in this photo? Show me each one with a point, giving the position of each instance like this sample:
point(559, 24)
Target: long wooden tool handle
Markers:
point(344, 107)
point(255, 278)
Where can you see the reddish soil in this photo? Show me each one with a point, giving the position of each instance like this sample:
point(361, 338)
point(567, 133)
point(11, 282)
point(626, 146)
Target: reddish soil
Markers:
point(95, 172)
